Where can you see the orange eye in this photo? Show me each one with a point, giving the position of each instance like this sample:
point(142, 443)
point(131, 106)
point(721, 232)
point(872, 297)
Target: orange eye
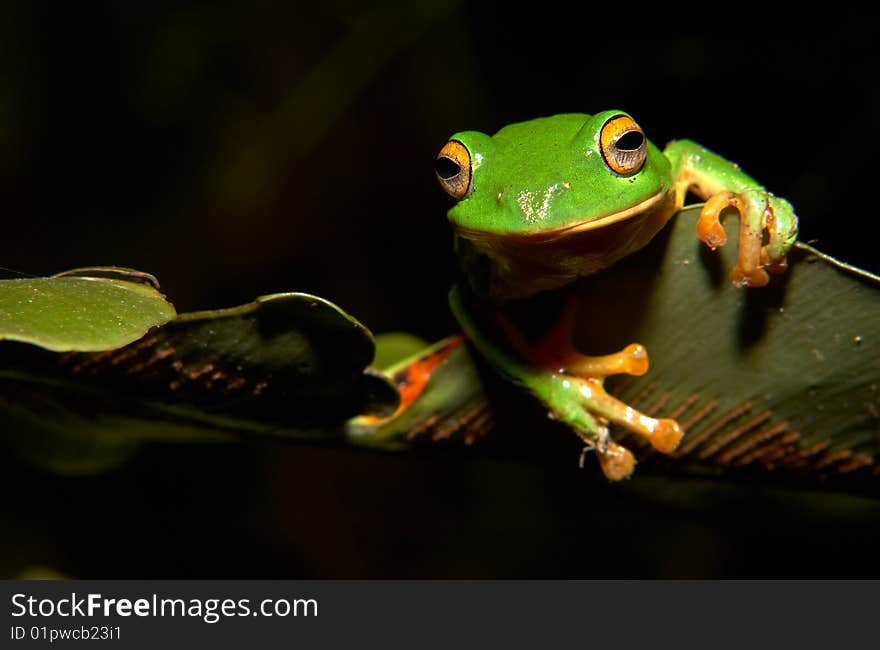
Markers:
point(453, 167)
point(623, 144)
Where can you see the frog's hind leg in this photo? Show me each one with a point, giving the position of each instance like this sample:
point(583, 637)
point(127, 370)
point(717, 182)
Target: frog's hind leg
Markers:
point(571, 384)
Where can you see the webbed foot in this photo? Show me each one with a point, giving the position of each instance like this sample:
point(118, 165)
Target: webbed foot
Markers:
point(571, 385)
point(767, 230)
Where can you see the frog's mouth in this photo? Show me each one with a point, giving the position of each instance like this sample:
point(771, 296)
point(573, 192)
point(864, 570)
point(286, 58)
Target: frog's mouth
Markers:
point(644, 208)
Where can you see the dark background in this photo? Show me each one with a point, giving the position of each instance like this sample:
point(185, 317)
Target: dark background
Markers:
point(247, 148)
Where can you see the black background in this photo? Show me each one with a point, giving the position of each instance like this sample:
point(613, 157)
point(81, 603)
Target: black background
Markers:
point(249, 148)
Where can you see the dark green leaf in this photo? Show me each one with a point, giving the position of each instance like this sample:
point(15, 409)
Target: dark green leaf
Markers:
point(285, 365)
point(782, 377)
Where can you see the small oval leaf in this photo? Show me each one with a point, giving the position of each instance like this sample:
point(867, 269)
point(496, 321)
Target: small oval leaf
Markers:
point(66, 313)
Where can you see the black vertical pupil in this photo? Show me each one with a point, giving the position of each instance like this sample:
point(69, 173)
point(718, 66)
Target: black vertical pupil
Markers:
point(630, 141)
point(446, 168)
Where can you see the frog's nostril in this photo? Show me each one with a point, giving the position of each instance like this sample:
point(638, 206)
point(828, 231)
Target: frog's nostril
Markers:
point(630, 141)
point(446, 168)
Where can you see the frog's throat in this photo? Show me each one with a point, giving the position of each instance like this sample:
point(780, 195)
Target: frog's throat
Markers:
point(643, 207)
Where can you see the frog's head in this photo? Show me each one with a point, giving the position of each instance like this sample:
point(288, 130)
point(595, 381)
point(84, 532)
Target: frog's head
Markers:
point(551, 176)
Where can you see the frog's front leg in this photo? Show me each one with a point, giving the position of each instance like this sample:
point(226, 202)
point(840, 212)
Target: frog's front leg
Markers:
point(768, 224)
point(569, 383)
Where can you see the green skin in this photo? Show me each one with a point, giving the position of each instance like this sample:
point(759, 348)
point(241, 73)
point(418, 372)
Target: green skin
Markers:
point(543, 207)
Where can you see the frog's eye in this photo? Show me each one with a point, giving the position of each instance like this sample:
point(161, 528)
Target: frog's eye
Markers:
point(623, 144)
point(453, 167)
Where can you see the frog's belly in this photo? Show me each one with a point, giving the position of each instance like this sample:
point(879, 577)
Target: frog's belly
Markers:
point(524, 266)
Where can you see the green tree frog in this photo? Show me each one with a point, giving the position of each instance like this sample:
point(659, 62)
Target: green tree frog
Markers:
point(543, 203)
